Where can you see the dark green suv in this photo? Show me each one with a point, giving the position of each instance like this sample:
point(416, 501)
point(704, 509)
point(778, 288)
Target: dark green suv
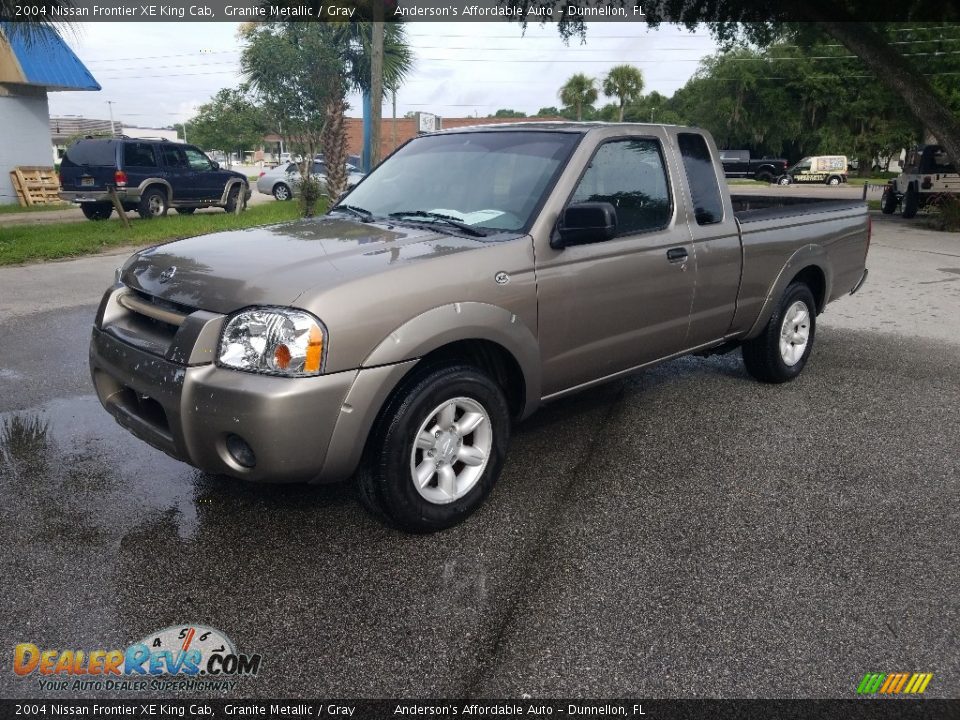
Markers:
point(149, 176)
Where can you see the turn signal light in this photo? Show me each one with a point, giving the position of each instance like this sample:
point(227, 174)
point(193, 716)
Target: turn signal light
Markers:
point(314, 350)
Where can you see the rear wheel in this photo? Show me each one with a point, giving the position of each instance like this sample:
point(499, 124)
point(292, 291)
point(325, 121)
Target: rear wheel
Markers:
point(437, 449)
point(888, 203)
point(153, 203)
point(281, 191)
point(911, 202)
point(97, 211)
point(781, 351)
point(833, 180)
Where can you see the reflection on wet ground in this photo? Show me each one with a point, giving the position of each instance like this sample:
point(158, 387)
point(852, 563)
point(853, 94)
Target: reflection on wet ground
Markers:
point(644, 536)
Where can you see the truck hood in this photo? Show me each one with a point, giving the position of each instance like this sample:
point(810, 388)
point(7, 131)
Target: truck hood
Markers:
point(274, 265)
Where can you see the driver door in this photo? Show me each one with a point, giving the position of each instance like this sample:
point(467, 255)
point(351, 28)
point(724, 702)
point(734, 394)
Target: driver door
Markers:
point(609, 306)
point(206, 182)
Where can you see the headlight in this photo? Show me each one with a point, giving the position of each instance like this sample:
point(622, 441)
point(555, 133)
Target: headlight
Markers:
point(276, 341)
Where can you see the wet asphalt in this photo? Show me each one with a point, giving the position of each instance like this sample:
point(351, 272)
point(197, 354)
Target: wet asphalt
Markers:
point(687, 532)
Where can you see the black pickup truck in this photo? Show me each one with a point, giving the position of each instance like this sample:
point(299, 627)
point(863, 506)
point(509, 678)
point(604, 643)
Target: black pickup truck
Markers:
point(739, 164)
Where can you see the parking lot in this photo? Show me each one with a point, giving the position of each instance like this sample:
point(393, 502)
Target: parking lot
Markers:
point(686, 532)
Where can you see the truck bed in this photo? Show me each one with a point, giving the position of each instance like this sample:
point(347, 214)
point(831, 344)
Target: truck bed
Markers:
point(753, 208)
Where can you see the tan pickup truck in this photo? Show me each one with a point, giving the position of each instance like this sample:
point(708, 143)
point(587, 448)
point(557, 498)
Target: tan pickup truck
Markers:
point(473, 276)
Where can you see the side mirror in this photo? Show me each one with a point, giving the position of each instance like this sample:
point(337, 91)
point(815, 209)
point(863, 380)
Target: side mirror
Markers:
point(584, 223)
point(216, 165)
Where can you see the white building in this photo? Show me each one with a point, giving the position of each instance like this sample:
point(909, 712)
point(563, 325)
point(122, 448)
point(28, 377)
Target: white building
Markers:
point(31, 65)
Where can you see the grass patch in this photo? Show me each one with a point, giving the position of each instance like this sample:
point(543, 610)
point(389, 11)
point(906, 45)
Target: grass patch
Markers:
point(11, 209)
point(873, 204)
point(24, 243)
point(866, 181)
point(739, 181)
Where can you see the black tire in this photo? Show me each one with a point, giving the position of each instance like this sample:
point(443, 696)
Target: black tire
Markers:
point(186, 211)
point(888, 203)
point(153, 203)
point(233, 197)
point(783, 180)
point(762, 355)
point(281, 191)
point(97, 211)
point(911, 202)
point(385, 479)
point(833, 180)
point(764, 176)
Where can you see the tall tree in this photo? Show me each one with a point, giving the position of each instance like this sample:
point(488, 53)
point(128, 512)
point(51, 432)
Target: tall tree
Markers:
point(230, 121)
point(578, 92)
point(625, 83)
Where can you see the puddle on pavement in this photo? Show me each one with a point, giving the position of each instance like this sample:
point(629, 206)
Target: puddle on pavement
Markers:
point(80, 478)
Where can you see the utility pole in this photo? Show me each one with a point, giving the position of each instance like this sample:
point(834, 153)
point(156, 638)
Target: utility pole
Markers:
point(113, 129)
point(393, 126)
point(376, 84)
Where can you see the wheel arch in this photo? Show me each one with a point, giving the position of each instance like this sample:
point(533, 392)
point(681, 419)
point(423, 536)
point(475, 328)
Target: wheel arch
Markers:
point(810, 265)
point(488, 337)
point(151, 183)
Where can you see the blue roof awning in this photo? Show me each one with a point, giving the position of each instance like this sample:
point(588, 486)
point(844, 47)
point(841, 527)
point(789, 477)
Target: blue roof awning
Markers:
point(42, 58)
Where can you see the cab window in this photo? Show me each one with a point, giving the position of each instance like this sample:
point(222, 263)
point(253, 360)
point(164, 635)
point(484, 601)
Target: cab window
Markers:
point(630, 175)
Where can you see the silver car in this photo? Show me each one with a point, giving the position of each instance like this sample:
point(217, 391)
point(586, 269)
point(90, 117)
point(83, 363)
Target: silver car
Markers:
point(283, 181)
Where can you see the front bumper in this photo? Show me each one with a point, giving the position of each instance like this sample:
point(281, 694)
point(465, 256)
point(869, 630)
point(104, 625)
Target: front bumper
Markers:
point(188, 411)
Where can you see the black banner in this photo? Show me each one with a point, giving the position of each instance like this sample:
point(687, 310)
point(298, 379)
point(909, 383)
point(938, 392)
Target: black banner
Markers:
point(688, 11)
point(887, 709)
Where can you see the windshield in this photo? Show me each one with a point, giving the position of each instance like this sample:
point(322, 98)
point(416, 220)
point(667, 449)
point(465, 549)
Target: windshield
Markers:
point(492, 180)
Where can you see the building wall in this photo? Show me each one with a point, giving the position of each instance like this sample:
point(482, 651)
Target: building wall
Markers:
point(25, 119)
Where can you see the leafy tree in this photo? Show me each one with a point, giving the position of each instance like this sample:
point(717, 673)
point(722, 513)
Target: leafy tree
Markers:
point(294, 71)
point(548, 112)
point(625, 83)
point(229, 122)
point(579, 92)
point(504, 113)
point(761, 24)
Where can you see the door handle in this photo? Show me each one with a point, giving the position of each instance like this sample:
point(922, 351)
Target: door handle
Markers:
point(676, 255)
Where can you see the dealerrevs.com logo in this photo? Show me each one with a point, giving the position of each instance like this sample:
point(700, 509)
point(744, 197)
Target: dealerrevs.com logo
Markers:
point(180, 657)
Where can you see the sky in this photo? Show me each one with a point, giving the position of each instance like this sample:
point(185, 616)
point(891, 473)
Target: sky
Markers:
point(157, 74)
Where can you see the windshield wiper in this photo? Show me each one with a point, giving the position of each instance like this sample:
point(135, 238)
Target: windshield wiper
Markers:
point(359, 212)
point(469, 229)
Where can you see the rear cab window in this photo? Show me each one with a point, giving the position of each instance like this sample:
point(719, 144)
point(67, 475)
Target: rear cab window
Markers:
point(702, 178)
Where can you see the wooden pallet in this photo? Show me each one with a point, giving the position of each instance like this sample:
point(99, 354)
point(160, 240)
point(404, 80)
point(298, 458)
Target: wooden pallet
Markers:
point(36, 185)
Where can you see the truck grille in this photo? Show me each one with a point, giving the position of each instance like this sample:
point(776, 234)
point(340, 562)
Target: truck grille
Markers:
point(148, 323)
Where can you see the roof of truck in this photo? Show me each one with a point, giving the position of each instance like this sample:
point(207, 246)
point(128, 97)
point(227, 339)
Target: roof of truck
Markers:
point(556, 125)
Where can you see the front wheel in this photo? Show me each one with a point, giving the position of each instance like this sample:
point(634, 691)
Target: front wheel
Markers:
point(911, 202)
point(233, 199)
point(783, 180)
point(781, 351)
point(833, 180)
point(437, 449)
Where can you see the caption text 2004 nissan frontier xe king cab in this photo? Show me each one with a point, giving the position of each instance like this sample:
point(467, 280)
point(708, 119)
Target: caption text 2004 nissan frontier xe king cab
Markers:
point(474, 275)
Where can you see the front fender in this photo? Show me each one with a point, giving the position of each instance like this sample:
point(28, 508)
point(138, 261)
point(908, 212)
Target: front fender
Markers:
point(804, 257)
point(447, 324)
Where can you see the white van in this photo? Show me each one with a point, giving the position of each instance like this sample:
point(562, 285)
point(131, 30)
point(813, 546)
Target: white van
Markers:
point(825, 169)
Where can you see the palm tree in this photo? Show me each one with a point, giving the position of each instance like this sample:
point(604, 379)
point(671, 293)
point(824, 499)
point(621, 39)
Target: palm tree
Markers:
point(578, 91)
point(625, 83)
